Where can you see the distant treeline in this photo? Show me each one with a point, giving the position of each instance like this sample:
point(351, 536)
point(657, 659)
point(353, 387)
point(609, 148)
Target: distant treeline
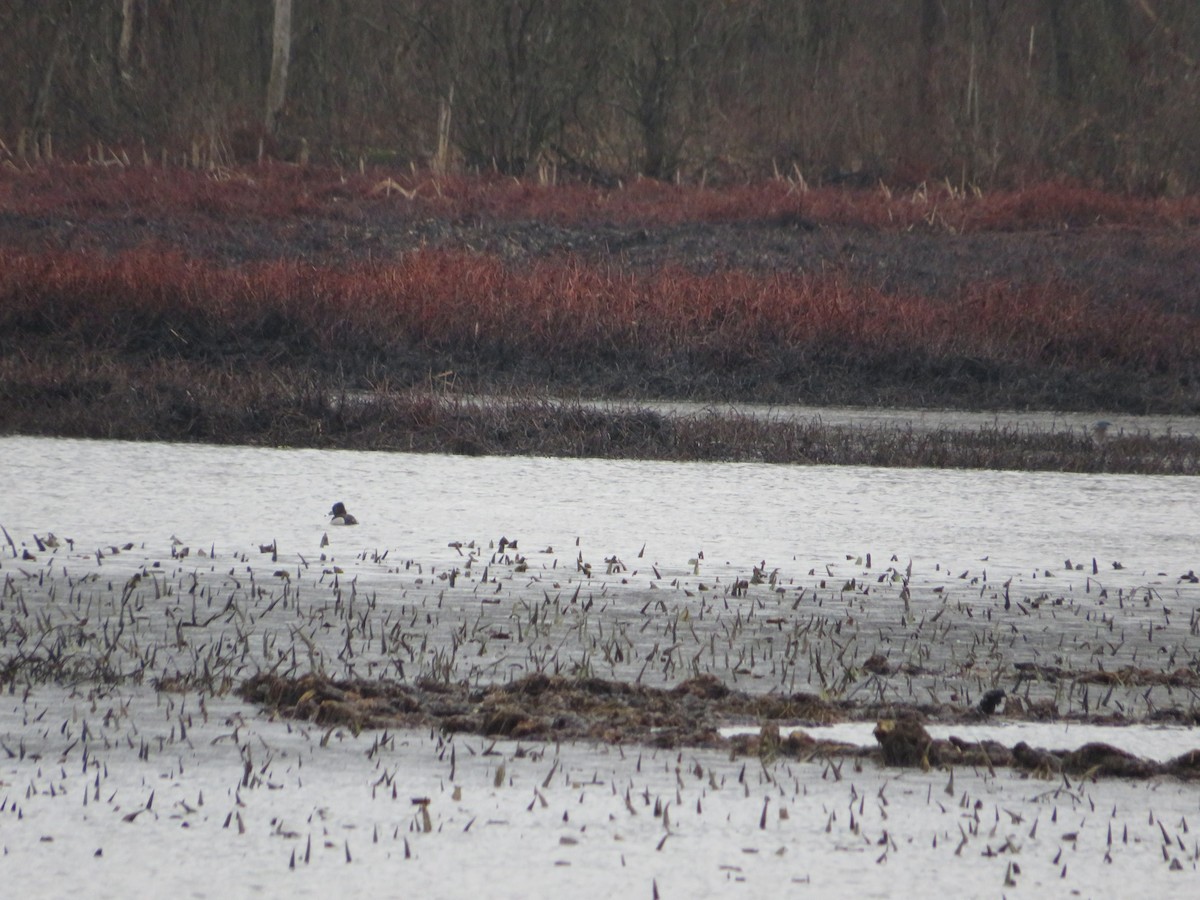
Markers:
point(980, 92)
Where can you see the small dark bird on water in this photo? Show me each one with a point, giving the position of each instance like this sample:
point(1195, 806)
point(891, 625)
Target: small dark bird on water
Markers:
point(340, 516)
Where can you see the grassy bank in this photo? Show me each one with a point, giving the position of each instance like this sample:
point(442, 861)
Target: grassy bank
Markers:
point(233, 305)
point(172, 401)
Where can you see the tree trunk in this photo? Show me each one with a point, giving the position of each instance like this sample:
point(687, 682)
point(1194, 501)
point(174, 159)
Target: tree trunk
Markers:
point(931, 39)
point(1064, 75)
point(40, 114)
point(281, 53)
point(125, 43)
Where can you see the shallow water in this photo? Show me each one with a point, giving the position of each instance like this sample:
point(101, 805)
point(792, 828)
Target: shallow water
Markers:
point(99, 492)
point(640, 558)
point(898, 418)
point(930, 419)
point(236, 805)
point(1160, 743)
point(264, 795)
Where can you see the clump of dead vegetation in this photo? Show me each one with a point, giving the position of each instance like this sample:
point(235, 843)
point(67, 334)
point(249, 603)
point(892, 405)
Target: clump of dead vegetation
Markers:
point(546, 708)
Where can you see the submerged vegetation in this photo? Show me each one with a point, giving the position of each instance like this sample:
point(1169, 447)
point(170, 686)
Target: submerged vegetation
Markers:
point(538, 645)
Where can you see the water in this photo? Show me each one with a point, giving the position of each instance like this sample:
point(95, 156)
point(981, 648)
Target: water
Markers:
point(1036, 421)
point(99, 492)
point(237, 805)
point(297, 808)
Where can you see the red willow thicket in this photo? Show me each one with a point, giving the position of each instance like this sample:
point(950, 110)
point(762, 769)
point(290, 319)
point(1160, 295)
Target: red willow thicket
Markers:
point(468, 306)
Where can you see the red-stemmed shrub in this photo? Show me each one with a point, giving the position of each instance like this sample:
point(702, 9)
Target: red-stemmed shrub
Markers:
point(468, 305)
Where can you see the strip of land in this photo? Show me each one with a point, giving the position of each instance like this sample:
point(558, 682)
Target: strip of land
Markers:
point(244, 306)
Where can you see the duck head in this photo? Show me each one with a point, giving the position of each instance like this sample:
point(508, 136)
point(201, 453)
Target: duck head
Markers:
point(340, 516)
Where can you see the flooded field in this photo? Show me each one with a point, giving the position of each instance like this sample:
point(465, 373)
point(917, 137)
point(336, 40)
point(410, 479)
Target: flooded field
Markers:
point(192, 568)
point(237, 805)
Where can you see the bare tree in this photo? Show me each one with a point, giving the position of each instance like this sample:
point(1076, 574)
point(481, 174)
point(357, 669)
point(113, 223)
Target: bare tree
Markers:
point(125, 41)
point(519, 70)
point(983, 91)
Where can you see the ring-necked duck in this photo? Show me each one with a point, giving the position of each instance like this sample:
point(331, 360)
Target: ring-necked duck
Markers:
point(340, 516)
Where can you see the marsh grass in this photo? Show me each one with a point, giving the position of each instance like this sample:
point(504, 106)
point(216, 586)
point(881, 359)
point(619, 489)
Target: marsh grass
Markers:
point(488, 640)
point(118, 320)
point(563, 324)
point(174, 401)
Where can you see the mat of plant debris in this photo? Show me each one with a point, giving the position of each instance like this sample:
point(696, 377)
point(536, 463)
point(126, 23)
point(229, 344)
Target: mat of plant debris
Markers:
point(545, 708)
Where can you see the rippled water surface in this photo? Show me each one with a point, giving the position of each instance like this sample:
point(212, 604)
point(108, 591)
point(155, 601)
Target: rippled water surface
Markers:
point(98, 491)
